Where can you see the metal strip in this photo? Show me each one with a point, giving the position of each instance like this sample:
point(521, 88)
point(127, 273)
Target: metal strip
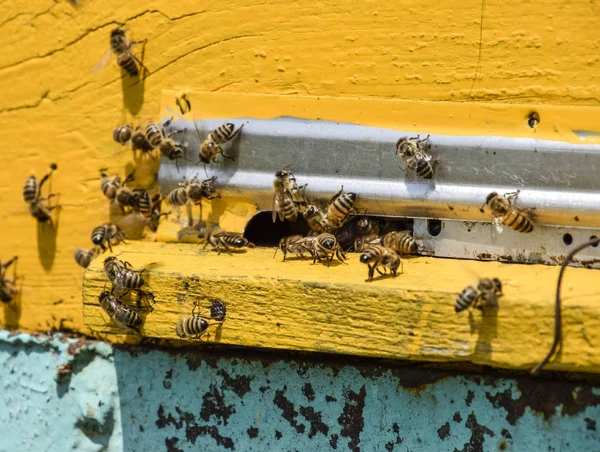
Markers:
point(558, 179)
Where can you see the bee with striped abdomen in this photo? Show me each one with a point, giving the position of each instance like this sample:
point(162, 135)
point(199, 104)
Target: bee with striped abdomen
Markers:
point(504, 212)
point(283, 202)
point(122, 134)
point(110, 185)
point(365, 241)
point(154, 220)
point(204, 190)
point(158, 138)
point(377, 256)
point(120, 46)
point(212, 146)
point(144, 204)
point(8, 287)
point(485, 295)
point(127, 197)
point(121, 275)
point(316, 219)
point(107, 234)
point(38, 208)
point(324, 246)
point(139, 142)
point(416, 156)
point(340, 207)
point(122, 315)
point(219, 239)
point(292, 244)
point(196, 325)
point(85, 257)
point(400, 241)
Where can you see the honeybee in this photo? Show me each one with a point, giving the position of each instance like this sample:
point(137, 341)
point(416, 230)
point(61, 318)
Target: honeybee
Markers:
point(207, 190)
point(340, 207)
point(109, 185)
point(218, 239)
point(38, 207)
point(283, 202)
point(292, 244)
point(212, 146)
point(122, 134)
point(368, 226)
point(298, 194)
point(183, 103)
point(120, 46)
point(158, 138)
point(377, 256)
point(8, 287)
point(154, 220)
point(400, 241)
point(316, 219)
point(196, 325)
point(121, 275)
point(323, 246)
point(416, 156)
point(504, 212)
point(107, 234)
point(139, 142)
point(485, 295)
point(85, 257)
point(119, 313)
point(127, 197)
point(365, 241)
point(144, 204)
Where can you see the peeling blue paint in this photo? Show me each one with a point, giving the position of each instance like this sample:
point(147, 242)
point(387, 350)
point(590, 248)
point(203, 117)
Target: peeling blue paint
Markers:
point(134, 399)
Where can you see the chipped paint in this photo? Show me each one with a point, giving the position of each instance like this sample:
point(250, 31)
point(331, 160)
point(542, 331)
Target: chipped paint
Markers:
point(137, 398)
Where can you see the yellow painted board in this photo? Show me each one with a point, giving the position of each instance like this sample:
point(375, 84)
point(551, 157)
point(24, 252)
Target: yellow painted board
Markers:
point(422, 59)
point(298, 306)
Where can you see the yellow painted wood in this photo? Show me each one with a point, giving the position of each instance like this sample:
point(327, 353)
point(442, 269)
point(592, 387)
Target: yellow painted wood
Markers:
point(298, 306)
point(414, 67)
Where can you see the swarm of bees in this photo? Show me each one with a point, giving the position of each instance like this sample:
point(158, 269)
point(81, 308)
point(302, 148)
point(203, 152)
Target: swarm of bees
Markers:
point(39, 207)
point(195, 326)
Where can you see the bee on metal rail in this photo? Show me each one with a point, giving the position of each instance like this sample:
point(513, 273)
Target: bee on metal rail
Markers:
point(204, 190)
point(365, 241)
point(107, 234)
point(292, 244)
point(416, 156)
point(85, 257)
point(340, 207)
point(219, 239)
point(379, 256)
point(32, 191)
point(283, 202)
point(196, 325)
point(122, 315)
point(122, 134)
point(120, 46)
point(485, 295)
point(158, 138)
point(504, 212)
point(400, 241)
point(139, 142)
point(8, 287)
point(212, 146)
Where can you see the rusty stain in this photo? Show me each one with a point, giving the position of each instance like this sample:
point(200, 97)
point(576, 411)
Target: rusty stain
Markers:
point(64, 371)
point(75, 347)
point(477, 434)
point(484, 256)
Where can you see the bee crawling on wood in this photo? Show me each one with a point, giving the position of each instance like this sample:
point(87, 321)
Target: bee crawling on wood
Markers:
point(292, 244)
point(485, 295)
point(119, 313)
point(377, 256)
point(38, 206)
point(8, 287)
point(107, 234)
point(121, 275)
point(122, 134)
point(196, 325)
point(120, 46)
point(504, 212)
point(139, 142)
point(220, 239)
point(416, 156)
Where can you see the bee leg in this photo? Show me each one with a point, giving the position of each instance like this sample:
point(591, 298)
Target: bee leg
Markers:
point(110, 246)
point(371, 272)
point(380, 272)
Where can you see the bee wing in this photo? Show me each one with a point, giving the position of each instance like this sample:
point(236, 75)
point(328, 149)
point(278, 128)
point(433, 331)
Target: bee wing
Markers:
point(104, 61)
point(276, 209)
point(497, 223)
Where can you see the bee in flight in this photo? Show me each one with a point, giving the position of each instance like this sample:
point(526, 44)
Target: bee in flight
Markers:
point(122, 315)
point(85, 257)
point(120, 46)
point(504, 212)
point(196, 325)
point(212, 146)
point(107, 234)
point(219, 239)
point(122, 134)
point(8, 287)
point(340, 208)
point(32, 191)
point(416, 156)
point(377, 256)
point(485, 295)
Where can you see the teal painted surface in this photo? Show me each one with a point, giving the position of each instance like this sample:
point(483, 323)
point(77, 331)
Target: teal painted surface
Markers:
point(138, 399)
